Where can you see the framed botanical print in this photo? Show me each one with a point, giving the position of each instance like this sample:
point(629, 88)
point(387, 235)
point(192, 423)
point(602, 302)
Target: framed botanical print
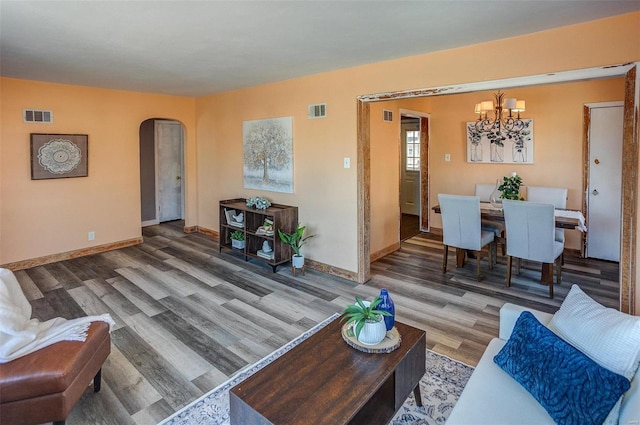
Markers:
point(499, 146)
point(58, 156)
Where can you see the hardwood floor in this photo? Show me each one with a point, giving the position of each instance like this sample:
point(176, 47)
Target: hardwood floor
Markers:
point(409, 226)
point(187, 317)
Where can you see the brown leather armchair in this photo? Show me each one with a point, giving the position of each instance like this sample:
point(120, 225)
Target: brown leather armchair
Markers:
point(45, 385)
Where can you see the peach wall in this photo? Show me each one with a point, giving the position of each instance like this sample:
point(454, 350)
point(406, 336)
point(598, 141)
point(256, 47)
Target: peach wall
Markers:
point(385, 177)
point(324, 191)
point(44, 217)
point(385, 171)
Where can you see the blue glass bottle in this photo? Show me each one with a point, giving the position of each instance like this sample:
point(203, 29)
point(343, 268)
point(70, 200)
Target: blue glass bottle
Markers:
point(387, 305)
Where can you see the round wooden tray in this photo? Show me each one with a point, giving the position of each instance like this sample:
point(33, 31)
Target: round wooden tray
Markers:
point(387, 345)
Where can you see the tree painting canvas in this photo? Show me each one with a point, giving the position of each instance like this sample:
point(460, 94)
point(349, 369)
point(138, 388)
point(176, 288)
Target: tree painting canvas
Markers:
point(268, 154)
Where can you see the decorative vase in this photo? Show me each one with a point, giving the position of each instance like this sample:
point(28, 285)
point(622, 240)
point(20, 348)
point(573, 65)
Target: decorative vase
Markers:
point(372, 332)
point(297, 261)
point(496, 196)
point(519, 153)
point(497, 152)
point(476, 152)
point(387, 305)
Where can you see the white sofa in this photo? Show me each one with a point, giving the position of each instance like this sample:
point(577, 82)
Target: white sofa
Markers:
point(492, 397)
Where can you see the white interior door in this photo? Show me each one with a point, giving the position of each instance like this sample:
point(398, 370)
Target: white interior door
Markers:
point(170, 169)
point(604, 194)
point(410, 193)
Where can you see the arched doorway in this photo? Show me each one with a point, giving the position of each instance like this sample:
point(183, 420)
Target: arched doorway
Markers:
point(161, 171)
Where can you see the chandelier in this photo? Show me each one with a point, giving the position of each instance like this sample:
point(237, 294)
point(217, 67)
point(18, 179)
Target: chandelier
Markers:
point(506, 115)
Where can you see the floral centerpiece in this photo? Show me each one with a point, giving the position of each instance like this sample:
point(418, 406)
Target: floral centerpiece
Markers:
point(258, 203)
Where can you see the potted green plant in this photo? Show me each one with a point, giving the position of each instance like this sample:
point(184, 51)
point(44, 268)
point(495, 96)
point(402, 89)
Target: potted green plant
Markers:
point(295, 240)
point(508, 189)
point(368, 324)
point(237, 239)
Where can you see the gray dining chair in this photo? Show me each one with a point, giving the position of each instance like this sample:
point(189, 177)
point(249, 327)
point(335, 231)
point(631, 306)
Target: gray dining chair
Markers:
point(461, 229)
point(531, 236)
point(484, 191)
point(557, 196)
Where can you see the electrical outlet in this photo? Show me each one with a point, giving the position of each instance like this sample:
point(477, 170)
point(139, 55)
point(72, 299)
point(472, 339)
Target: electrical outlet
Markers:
point(92, 236)
point(347, 162)
point(447, 157)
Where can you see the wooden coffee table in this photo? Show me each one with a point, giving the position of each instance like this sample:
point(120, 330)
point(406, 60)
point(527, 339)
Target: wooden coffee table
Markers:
point(324, 381)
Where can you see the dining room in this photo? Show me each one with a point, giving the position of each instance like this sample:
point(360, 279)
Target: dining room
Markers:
point(555, 157)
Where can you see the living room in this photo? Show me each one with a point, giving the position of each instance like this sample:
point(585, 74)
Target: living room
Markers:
point(213, 168)
point(48, 220)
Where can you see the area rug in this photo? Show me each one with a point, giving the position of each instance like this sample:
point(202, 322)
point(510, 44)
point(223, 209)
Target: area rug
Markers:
point(440, 387)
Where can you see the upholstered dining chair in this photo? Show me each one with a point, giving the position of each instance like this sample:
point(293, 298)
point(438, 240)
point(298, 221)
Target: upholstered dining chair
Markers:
point(461, 229)
point(484, 191)
point(557, 196)
point(530, 236)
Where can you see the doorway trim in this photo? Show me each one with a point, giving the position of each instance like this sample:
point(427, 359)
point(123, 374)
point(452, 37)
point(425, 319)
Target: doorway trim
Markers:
point(629, 165)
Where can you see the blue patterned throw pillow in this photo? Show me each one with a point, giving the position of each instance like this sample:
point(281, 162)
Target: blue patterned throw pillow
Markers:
point(571, 387)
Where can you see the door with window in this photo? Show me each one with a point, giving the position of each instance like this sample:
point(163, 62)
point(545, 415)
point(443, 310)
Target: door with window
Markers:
point(410, 192)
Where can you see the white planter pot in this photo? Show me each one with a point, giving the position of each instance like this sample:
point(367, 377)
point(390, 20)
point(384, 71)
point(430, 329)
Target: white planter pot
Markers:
point(372, 332)
point(297, 261)
point(237, 244)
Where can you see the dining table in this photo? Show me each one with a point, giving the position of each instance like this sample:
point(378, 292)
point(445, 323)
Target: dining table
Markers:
point(565, 219)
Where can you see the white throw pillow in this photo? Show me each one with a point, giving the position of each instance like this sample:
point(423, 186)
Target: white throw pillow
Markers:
point(609, 337)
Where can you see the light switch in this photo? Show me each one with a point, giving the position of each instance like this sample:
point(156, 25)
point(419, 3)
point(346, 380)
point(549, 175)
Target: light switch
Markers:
point(447, 157)
point(347, 162)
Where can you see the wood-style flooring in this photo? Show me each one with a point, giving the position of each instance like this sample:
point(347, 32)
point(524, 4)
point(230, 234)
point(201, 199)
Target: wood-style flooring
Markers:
point(409, 226)
point(188, 317)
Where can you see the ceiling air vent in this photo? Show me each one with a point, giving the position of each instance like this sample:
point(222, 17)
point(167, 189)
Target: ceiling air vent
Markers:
point(38, 116)
point(387, 115)
point(318, 110)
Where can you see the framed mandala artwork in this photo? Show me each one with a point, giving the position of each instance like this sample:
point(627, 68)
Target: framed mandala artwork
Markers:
point(58, 156)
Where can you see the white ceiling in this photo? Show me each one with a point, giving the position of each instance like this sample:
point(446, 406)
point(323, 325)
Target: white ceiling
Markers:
point(196, 48)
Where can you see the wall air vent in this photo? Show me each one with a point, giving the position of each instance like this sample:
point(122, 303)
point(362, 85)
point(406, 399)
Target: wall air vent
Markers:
point(318, 110)
point(387, 116)
point(37, 116)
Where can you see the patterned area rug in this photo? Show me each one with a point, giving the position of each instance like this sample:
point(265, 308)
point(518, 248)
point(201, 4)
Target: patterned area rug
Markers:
point(440, 386)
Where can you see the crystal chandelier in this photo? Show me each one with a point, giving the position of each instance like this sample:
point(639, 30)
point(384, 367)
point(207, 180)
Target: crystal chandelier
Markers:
point(510, 122)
